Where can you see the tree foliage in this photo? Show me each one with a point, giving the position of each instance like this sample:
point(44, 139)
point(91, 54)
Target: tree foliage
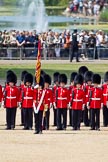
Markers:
point(47, 2)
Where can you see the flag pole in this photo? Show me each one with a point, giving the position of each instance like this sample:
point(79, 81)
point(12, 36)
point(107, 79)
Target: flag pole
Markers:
point(38, 64)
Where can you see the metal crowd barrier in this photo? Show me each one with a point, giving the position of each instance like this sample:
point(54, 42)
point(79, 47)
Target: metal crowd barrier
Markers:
point(21, 53)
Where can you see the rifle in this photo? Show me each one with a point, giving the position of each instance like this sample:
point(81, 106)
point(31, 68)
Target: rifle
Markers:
point(90, 97)
point(22, 95)
point(72, 96)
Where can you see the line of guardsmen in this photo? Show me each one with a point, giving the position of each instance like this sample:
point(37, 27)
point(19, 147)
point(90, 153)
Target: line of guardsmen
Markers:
point(84, 98)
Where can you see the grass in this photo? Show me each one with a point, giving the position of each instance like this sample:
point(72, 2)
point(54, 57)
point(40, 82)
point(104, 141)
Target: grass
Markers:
point(51, 68)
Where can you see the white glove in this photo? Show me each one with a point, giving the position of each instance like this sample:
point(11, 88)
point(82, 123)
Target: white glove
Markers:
point(69, 105)
point(54, 104)
point(34, 107)
point(50, 105)
point(2, 104)
point(36, 86)
point(83, 106)
point(101, 105)
point(19, 105)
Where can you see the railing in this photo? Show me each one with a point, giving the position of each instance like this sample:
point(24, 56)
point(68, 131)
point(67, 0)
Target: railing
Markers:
point(21, 53)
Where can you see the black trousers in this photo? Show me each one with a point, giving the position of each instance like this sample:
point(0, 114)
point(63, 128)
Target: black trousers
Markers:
point(105, 116)
point(55, 116)
point(11, 117)
point(76, 119)
point(61, 118)
point(86, 116)
point(75, 53)
point(46, 120)
point(95, 118)
point(28, 117)
point(38, 121)
point(70, 117)
point(22, 117)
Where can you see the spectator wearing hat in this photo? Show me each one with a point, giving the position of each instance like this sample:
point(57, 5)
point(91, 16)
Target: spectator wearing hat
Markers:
point(48, 101)
point(62, 103)
point(67, 43)
point(11, 99)
point(105, 100)
point(27, 98)
point(77, 102)
point(91, 45)
point(96, 101)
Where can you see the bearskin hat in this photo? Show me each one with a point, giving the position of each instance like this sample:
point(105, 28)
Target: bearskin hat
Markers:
point(96, 79)
point(28, 78)
point(41, 82)
point(72, 77)
point(9, 71)
point(88, 76)
point(78, 79)
point(47, 79)
point(82, 70)
point(11, 77)
point(23, 74)
point(63, 78)
point(42, 73)
point(106, 77)
point(56, 77)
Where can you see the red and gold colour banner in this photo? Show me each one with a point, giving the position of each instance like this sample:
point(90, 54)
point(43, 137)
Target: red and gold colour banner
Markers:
point(38, 63)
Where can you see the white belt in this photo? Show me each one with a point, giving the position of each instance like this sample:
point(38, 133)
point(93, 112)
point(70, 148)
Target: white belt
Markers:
point(97, 99)
point(61, 98)
point(77, 100)
point(28, 98)
point(10, 97)
point(105, 94)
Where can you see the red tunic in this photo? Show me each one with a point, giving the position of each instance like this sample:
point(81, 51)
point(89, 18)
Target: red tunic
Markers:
point(48, 99)
point(96, 98)
point(87, 92)
point(27, 97)
point(105, 94)
point(38, 94)
point(63, 97)
point(55, 93)
point(11, 97)
point(78, 99)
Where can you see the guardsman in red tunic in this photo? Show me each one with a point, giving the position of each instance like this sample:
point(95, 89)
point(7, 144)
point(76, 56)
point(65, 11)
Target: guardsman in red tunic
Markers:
point(77, 102)
point(27, 98)
point(82, 70)
point(21, 89)
point(11, 99)
point(96, 101)
point(88, 80)
point(72, 86)
point(39, 106)
point(62, 103)
point(48, 101)
point(105, 100)
point(55, 95)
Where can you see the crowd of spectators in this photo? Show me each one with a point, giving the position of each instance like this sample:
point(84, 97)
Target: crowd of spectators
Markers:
point(53, 44)
point(85, 7)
